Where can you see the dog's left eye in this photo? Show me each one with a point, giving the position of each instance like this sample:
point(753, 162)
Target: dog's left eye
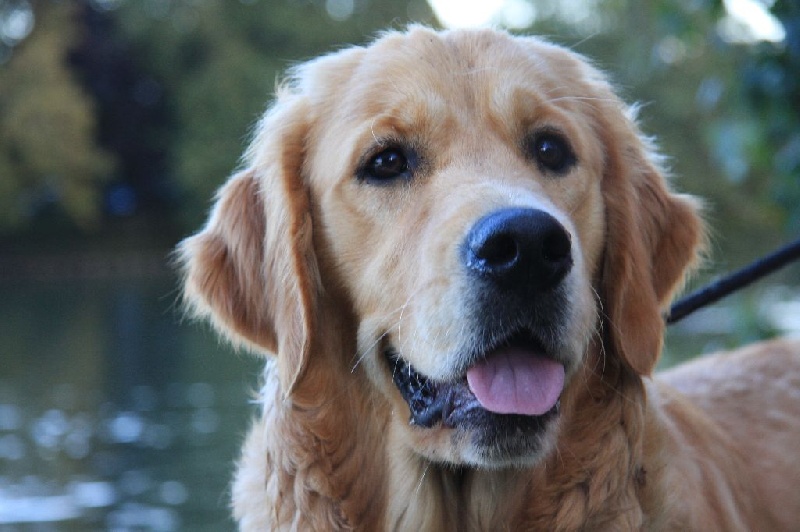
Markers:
point(552, 152)
point(387, 165)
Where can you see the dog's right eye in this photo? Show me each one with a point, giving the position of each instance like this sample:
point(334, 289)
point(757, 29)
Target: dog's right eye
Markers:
point(387, 165)
point(551, 151)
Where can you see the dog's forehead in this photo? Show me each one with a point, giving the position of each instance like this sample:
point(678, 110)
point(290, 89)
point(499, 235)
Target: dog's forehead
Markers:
point(462, 58)
point(452, 92)
point(480, 69)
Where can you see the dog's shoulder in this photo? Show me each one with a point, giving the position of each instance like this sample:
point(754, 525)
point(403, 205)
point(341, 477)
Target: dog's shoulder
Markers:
point(733, 416)
point(763, 373)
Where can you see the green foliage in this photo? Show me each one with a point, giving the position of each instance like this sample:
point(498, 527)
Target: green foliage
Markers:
point(771, 81)
point(47, 146)
point(727, 114)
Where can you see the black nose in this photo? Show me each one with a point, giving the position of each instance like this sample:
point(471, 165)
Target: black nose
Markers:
point(521, 249)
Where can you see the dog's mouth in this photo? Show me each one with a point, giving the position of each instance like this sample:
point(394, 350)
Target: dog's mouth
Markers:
point(516, 382)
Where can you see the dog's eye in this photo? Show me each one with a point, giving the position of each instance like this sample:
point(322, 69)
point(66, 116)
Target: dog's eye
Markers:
point(387, 165)
point(552, 152)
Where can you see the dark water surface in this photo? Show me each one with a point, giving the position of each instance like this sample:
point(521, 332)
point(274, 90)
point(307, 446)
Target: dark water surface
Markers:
point(113, 414)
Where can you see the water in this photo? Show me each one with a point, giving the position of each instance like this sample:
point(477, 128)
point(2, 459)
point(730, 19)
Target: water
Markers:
point(113, 414)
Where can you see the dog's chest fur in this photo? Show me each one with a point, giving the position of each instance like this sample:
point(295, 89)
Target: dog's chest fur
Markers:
point(295, 472)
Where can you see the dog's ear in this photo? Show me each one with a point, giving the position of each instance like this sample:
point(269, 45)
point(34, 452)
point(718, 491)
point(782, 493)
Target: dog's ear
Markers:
point(653, 238)
point(252, 269)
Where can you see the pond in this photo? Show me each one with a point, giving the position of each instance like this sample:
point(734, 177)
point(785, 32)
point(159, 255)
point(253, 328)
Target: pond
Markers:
point(116, 415)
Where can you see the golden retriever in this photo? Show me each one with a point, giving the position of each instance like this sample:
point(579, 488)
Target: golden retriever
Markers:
point(457, 248)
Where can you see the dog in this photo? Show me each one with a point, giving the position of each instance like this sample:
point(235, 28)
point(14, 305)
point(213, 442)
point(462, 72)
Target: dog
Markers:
point(456, 249)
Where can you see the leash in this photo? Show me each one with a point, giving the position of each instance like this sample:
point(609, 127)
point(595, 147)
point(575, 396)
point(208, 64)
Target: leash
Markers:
point(734, 281)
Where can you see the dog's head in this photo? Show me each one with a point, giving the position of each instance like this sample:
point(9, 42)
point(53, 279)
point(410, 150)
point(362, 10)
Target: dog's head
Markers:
point(470, 209)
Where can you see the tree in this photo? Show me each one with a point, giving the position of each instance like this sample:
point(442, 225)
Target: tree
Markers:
point(771, 83)
point(48, 154)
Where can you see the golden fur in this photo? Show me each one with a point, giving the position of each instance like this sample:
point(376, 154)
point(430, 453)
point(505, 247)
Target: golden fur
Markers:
point(304, 260)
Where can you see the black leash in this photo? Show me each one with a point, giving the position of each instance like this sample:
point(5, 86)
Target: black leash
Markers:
point(730, 283)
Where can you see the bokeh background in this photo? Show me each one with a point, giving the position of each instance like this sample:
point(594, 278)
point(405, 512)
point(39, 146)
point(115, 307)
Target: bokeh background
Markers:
point(118, 120)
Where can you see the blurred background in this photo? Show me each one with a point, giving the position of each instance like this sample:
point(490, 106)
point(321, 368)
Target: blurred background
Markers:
point(118, 120)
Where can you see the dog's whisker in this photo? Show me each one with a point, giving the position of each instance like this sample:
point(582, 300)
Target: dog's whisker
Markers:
point(422, 479)
point(572, 97)
point(360, 356)
point(597, 331)
point(378, 141)
point(400, 321)
point(583, 41)
point(579, 99)
point(472, 71)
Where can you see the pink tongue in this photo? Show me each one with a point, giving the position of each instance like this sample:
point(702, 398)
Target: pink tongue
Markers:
point(513, 381)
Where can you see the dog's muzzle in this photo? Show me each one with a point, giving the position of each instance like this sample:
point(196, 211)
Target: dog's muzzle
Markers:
point(516, 259)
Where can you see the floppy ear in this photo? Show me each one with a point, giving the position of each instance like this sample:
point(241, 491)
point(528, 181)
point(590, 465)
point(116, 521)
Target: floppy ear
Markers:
point(653, 238)
point(252, 269)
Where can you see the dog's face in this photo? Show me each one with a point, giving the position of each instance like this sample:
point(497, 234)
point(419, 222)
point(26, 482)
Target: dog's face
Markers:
point(463, 212)
point(476, 202)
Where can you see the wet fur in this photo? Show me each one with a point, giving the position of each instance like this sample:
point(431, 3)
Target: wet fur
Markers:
point(301, 262)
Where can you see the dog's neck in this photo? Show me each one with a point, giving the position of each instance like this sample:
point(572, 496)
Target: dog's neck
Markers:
point(328, 460)
point(595, 479)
